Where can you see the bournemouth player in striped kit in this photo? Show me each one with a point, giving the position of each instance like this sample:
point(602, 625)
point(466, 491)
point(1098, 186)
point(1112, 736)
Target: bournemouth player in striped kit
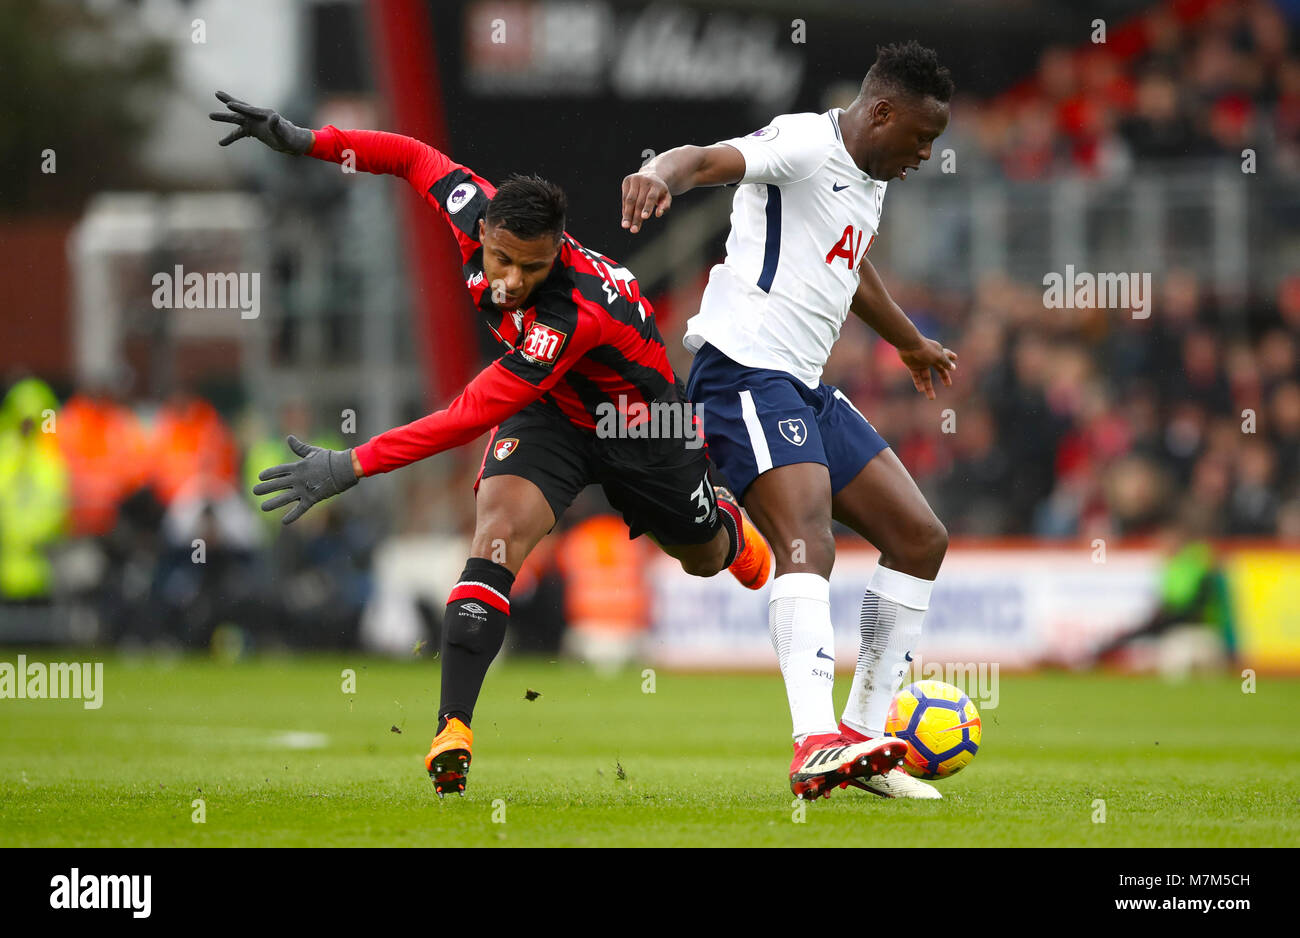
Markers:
point(583, 393)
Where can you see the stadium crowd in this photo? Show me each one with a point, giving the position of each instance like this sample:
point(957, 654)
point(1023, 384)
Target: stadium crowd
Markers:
point(1068, 423)
point(1185, 80)
point(140, 511)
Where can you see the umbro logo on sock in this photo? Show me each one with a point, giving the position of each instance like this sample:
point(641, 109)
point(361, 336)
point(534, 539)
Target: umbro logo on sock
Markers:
point(475, 608)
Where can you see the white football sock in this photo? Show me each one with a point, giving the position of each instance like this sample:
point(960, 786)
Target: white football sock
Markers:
point(799, 616)
point(892, 610)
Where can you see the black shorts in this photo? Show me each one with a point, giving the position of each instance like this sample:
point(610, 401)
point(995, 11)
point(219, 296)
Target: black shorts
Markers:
point(661, 486)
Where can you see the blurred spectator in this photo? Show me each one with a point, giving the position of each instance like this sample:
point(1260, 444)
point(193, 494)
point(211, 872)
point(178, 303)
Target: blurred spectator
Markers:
point(316, 570)
point(1252, 506)
point(1021, 408)
point(1288, 522)
point(1284, 426)
point(1205, 382)
point(106, 450)
point(1137, 493)
point(605, 595)
point(1286, 116)
point(1158, 128)
point(209, 573)
point(537, 601)
point(33, 492)
point(190, 439)
point(976, 485)
point(1193, 592)
point(320, 578)
point(1277, 358)
point(1288, 304)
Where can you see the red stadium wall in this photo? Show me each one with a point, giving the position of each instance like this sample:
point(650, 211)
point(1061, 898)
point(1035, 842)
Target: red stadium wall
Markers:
point(34, 327)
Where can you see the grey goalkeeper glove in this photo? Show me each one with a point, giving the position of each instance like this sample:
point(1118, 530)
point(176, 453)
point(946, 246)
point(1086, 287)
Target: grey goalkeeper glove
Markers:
point(262, 123)
point(320, 474)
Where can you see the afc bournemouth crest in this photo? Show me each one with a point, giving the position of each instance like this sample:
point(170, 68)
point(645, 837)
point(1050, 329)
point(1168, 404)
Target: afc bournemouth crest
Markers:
point(504, 448)
point(793, 430)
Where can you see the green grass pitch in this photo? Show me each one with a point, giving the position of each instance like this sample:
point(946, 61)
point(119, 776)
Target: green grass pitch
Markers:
point(281, 756)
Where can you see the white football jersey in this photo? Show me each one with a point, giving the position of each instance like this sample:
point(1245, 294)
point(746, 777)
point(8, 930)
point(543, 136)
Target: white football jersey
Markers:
point(803, 218)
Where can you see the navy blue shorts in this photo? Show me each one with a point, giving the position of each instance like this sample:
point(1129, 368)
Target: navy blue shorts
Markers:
point(756, 419)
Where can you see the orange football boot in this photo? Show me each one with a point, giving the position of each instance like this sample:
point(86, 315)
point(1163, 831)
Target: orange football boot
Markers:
point(448, 758)
point(754, 559)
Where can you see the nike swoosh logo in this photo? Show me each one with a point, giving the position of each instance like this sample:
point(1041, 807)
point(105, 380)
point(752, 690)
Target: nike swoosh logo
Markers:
point(821, 653)
point(835, 188)
point(962, 726)
point(907, 657)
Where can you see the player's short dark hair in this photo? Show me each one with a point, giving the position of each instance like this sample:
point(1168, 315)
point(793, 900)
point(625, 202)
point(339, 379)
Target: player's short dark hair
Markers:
point(909, 68)
point(528, 207)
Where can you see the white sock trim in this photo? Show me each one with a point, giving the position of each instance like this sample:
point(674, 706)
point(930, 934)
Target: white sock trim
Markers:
point(904, 589)
point(854, 725)
point(800, 586)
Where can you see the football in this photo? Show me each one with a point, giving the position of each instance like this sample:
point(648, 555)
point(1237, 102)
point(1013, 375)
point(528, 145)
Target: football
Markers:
point(940, 725)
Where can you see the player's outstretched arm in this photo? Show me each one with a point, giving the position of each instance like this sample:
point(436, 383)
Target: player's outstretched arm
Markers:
point(651, 189)
point(493, 395)
point(367, 151)
point(490, 398)
point(874, 306)
point(261, 123)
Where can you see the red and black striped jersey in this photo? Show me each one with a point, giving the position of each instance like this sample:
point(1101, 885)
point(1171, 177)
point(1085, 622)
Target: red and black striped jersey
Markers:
point(586, 340)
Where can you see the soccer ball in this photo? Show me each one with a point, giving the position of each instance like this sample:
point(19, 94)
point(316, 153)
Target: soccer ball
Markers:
point(940, 726)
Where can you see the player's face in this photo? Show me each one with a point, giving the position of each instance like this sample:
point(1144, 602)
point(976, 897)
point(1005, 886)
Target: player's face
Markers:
point(515, 266)
point(905, 136)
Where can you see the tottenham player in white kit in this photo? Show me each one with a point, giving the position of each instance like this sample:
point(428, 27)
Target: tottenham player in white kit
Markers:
point(797, 452)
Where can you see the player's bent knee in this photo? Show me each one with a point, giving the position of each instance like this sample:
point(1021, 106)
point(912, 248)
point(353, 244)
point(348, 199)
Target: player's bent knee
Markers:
point(922, 551)
point(700, 559)
point(932, 543)
point(701, 566)
point(939, 547)
point(500, 537)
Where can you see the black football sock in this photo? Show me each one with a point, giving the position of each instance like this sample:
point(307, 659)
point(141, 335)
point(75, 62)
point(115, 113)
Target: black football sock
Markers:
point(473, 629)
